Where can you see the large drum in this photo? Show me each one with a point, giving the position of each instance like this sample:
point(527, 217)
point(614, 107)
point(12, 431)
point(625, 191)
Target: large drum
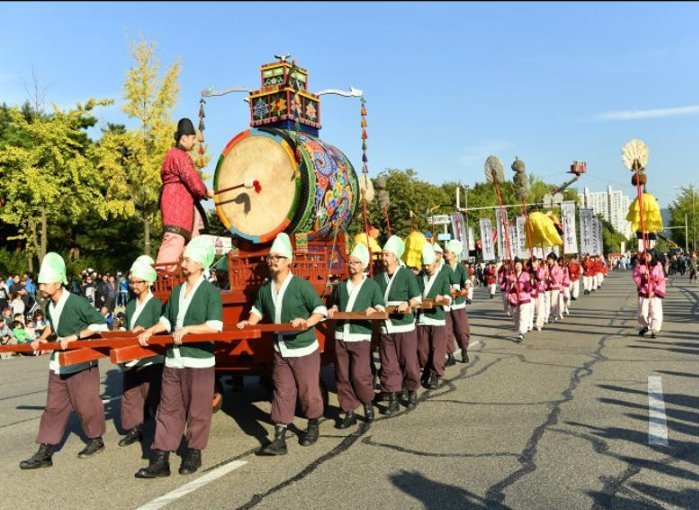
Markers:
point(307, 187)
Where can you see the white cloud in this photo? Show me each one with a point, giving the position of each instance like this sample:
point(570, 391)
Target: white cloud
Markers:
point(649, 114)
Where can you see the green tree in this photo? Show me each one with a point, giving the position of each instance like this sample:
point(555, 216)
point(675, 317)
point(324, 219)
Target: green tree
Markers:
point(684, 207)
point(48, 172)
point(133, 158)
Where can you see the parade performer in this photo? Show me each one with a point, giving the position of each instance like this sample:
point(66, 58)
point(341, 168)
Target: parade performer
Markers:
point(70, 318)
point(554, 284)
point(286, 298)
point(142, 377)
point(519, 296)
point(588, 274)
point(490, 278)
point(355, 382)
point(575, 270)
point(565, 288)
point(431, 324)
point(541, 305)
point(398, 343)
point(502, 274)
point(470, 283)
point(650, 282)
point(183, 188)
point(457, 322)
point(194, 307)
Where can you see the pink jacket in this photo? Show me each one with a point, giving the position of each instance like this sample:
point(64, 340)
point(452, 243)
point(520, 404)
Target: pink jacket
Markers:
point(182, 185)
point(525, 288)
point(555, 280)
point(566, 276)
point(646, 285)
point(541, 278)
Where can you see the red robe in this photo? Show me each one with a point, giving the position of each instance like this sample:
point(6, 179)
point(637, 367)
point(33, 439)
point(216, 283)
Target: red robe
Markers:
point(182, 184)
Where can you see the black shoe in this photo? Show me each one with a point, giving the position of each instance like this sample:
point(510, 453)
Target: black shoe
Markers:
point(652, 335)
point(642, 331)
point(464, 356)
point(519, 338)
point(191, 462)
point(349, 420)
point(42, 458)
point(393, 406)
point(412, 400)
point(278, 446)
point(158, 467)
point(433, 383)
point(368, 412)
point(132, 436)
point(310, 436)
point(450, 360)
point(93, 447)
point(492, 296)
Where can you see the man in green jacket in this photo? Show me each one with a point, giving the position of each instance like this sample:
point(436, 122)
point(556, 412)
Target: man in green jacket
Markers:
point(398, 344)
point(286, 298)
point(194, 307)
point(77, 386)
point(141, 377)
point(355, 382)
point(458, 329)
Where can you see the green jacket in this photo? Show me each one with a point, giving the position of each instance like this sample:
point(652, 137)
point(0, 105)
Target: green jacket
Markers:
point(440, 287)
point(149, 316)
point(369, 296)
point(458, 277)
point(205, 307)
point(298, 300)
point(402, 286)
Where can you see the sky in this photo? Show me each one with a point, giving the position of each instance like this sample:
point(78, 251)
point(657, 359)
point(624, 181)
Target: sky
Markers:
point(446, 84)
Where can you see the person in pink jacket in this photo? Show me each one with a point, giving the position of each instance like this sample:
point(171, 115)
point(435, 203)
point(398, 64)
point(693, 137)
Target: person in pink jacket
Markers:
point(518, 289)
point(650, 282)
point(555, 284)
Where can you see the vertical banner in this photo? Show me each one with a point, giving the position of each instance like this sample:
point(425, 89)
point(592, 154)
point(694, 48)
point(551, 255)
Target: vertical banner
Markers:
point(459, 231)
point(499, 223)
point(594, 249)
point(514, 246)
point(471, 239)
point(586, 231)
point(539, 252)
point(487, 239)
point(521, 228)
point(570, 238)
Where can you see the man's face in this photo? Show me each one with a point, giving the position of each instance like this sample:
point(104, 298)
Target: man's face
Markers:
point(430, 268)
point(450, 256)
point(48, 290)
point(277, 263)
point(355, 266)
point(388, 258)
point(138, 286)
point(187, 141)
point(190, 266)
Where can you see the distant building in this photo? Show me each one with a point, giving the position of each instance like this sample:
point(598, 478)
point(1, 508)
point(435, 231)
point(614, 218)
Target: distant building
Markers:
point(612, 205)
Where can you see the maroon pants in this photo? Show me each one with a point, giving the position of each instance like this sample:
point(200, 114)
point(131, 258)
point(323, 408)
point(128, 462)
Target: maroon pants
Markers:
point(355, 382)
point(141, 388)
point(399, 364)
point(458, 330)
point(79, 391)
point(288, 374)
point(431, 349)
point(185, 398)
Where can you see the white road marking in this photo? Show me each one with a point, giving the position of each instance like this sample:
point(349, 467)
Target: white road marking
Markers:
point(192, 486)
point(657, 423)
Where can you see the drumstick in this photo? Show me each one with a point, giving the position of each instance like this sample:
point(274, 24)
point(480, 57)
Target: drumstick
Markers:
point(247, 183)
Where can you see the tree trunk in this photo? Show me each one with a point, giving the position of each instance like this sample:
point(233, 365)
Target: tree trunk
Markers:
point(44, 236)
point(146, 233)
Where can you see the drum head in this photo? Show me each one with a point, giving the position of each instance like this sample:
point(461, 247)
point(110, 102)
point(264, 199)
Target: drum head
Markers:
point(264, 157)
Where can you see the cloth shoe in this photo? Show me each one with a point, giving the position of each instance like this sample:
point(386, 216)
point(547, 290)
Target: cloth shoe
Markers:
point(393, 406)
point(191, 462)
point(310, 436)
point(42, 458)
point(278, 445)
point(643, 331)
point(132, 436)
point(464, 356)
point(433, 383)
point(412, 400)
point(368, 412)
point(349, 420)
point(158, 467)
point(95, 446)
point(450, 360)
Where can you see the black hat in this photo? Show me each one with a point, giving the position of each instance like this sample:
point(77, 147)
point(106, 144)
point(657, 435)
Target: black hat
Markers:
point(184, 127)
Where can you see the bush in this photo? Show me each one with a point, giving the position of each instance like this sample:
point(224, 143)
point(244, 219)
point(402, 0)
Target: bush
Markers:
point(12, 262)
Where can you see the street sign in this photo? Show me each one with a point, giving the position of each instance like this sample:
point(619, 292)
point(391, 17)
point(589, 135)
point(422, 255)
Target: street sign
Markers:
point(440, 219)
point(444, 237)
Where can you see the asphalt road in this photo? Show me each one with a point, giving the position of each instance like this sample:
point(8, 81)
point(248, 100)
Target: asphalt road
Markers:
point(560, 421)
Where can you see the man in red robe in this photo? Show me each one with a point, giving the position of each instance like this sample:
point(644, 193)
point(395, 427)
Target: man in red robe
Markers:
point(182, 190)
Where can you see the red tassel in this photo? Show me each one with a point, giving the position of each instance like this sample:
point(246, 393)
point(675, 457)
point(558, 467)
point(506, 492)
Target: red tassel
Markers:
point(257, 186)
point(364, 137)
